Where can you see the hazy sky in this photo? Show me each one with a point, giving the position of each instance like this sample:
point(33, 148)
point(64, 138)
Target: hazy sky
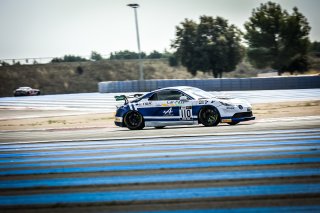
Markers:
point(53, 28)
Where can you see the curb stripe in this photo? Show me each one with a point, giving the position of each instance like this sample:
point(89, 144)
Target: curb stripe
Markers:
point(157, 148)
point(183, 165)
point(291, 209)
point(184, 193)
point(168, 136)
point(32, 146)
point(101, 144)
point(159, 178)
point(160, 154)
point(12, 165)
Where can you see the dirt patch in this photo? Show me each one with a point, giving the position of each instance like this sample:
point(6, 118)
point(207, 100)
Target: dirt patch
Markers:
point(103, 120)
point(80, 121)
point(286, 109)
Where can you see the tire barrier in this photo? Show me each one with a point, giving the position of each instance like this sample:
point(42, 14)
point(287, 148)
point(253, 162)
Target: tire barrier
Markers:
point(270, 83)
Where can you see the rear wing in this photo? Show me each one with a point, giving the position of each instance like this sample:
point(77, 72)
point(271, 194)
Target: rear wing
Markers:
point(126, 98)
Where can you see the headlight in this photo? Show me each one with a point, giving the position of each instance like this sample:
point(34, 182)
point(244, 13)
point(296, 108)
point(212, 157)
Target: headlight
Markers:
point(225, 104)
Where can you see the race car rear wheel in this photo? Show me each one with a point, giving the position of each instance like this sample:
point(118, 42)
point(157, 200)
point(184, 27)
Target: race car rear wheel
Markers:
point(209, 116)
point(134, 120)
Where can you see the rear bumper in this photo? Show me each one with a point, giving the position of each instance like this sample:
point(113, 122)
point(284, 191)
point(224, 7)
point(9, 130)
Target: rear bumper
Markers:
point(120, 124)
point(118, 121)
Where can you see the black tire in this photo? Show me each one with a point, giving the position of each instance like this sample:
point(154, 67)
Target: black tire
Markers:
point(159, 127)
point(233, 123)
point(39, 93)
point(17, 94)
point(134, 120)
point(209, 116)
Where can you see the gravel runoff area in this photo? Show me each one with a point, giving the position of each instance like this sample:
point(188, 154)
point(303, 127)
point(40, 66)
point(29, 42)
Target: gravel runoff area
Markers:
point(32, 119)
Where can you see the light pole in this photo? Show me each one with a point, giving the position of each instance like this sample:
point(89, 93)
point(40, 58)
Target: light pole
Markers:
point(141, 74)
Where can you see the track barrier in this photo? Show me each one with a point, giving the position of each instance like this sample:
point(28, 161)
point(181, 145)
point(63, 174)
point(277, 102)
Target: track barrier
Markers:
point(228, 84)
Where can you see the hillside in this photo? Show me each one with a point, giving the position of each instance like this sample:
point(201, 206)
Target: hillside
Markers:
point(83, 76)
point(78, 77)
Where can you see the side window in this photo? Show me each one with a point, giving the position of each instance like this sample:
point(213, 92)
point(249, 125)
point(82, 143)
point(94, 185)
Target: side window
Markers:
point(166, 95)
point(169, 95)
point(154, 97)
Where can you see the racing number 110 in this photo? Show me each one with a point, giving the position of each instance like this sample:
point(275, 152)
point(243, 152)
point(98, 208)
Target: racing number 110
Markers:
point(186, 113)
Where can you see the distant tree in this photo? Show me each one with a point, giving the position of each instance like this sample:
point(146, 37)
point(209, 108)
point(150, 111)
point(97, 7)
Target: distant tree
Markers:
point(172, 58)
point(68, 58)
point(56, 60)
point(73, 58)
point(294, 43)
point(3, 63)
point(184, 43)
point(79, 70)
point(277, 39)
point(167, 54)
point(315, 48)
point(95, 56)
point(263, 30)
point(126, 54)
point(155, 55)
point(173, 61)
point(210, 46)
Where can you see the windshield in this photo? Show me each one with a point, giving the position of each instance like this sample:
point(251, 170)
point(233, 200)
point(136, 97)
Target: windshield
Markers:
point(198, 93)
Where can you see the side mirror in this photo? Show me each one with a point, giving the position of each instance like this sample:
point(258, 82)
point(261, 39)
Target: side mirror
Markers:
point(183, 98)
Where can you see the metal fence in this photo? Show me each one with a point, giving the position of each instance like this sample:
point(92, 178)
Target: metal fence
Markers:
point(270, 83)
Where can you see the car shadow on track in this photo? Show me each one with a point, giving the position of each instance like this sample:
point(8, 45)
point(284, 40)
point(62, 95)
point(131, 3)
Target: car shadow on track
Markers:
point(188, 127)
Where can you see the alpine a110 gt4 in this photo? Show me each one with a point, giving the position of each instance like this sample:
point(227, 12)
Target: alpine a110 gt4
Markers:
point(180, 106)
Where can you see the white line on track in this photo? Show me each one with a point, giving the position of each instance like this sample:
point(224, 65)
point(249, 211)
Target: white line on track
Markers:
point(170, 136)
point(97, 102)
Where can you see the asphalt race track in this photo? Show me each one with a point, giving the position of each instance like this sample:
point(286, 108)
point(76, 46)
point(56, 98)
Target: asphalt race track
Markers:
point(105, 102)
point(268, 165)
point(268, 170)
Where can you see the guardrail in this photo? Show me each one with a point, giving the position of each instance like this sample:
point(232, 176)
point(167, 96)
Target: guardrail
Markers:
point(270, 83)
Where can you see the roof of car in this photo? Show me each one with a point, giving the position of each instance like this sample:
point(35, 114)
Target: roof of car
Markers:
point(24, 88)
point(183, 88)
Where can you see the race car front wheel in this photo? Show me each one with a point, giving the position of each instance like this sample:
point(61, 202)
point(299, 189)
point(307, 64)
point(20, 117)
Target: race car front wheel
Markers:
point(209, 116)
point(134, 120)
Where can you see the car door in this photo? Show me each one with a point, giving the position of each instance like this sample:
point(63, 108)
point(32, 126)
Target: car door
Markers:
point(161, 112)
point(185, 112)
point(167, 109)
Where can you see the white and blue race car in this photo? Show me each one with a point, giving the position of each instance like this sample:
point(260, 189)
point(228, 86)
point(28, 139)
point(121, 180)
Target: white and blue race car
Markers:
point(180, 106)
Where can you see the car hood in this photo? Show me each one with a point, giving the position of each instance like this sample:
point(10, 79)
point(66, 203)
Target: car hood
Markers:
point(234, 101)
